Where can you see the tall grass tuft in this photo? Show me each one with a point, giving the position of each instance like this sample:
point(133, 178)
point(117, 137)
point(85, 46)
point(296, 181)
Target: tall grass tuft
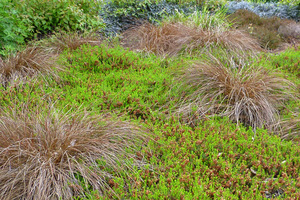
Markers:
point(26, 63)
point(52, 155)
point(188, 35)
point(245, 93)
point(203, 19)
point(290, 129)
point(71, 40)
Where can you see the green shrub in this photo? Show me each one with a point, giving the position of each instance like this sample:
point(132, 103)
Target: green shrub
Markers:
point(12, 30)
point(291, 2)
point(44, 17)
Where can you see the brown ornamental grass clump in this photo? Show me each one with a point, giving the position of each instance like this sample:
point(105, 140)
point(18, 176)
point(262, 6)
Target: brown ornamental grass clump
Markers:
point(52, 155)
point(246, 94)
point(70, 40)
point(270, 32)
point(27, 63)
point(172, 38)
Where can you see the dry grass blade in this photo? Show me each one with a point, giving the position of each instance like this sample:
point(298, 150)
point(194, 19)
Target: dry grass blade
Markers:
point(247, 94)
point(290, 129)
point(27, 63)
point(173, 38)
point(42, 153)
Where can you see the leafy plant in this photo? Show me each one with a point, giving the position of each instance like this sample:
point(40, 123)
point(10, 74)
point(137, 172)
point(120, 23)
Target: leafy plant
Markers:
point(291, 2)
point(121, 15)
point(43, 17)
point(12, 30)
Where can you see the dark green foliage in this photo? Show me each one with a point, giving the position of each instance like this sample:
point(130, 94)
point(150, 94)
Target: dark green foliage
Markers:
point(121, 15)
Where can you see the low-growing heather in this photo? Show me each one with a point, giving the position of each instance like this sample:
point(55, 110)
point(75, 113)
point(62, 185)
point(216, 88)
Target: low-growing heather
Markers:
point(101, 78)
point(115, 79)
point(287, 61)
point(215, 160)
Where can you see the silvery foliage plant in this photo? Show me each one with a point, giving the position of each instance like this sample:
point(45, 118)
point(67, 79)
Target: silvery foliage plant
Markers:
point(266, 9)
